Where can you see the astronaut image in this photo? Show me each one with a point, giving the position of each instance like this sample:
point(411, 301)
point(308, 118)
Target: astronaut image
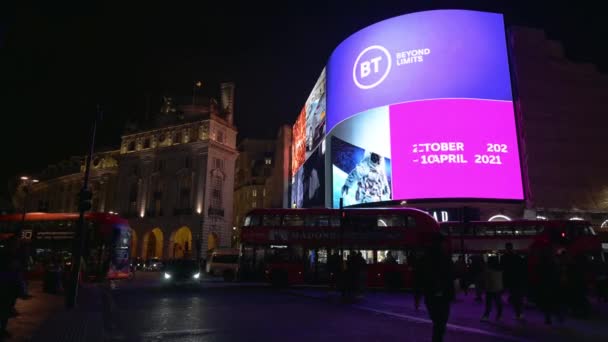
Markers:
point(368, 182)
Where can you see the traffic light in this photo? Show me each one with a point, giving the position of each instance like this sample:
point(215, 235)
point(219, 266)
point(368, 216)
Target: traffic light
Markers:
point(85, 200)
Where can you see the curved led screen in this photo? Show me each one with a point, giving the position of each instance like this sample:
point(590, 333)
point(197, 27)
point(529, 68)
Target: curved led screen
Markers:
point(420, 107)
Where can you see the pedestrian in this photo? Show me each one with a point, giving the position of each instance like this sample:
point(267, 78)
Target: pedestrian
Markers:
point(361, 274)
point(460, 273)
point(334, 268)
point(348, 278)
point(9, 289)
point(514, 273)
point(548, 292)
point(476, 274)
point(390, 259)
point(601, 269)
point(435, 282)
point(578, 286)
point(494, 287)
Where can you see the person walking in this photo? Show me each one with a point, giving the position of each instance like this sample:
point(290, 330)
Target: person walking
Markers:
point(361, 274)
point(435, 282)
point(549, 286)
point(601, 270)
point(334, 264)
point(476, 275)
point(9, 289)
point(514, 273)
point(349, 278)
point(460, 273)
point(494, 287)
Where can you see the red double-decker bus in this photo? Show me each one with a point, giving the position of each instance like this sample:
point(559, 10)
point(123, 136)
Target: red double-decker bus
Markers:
point(526, 236)
point(530, 238)
point(292, 246)
point(48, 238)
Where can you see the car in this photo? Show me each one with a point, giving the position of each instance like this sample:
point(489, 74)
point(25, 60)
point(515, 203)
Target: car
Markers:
point(137, 264)
point(154, 265)
point(223, 262)
point(182, 272)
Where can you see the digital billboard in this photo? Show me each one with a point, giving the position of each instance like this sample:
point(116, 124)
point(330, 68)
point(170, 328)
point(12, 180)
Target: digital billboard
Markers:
point(308, 132)
point(315, 115)
point(298, 141)
point(420, 107)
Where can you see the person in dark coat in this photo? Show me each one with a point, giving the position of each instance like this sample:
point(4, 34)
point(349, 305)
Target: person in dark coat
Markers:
point(549, 286)
point(514, 274)
point(9, 290)
point(435, 282)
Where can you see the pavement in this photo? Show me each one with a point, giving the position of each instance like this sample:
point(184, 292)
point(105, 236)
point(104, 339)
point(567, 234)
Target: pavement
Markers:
point(143, 309)
point(32, 312)
point(465, 314)
point(43, 317)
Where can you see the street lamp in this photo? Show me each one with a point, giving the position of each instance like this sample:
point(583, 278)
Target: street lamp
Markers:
point(26, 183)
point(197, 84)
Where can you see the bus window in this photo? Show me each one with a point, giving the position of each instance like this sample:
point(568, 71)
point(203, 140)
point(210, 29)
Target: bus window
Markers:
point(361, 221)
point(252, 220)
point(391, 221)
point(334, 221)
point(322, 221)
point(411, 222)
point(504, 231)
point(293, 220)
point(484, 231)
point(271, 220)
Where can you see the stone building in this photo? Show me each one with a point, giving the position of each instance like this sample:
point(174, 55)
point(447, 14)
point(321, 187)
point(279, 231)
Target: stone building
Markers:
point(262, 175)
point(176, 179)
point(172, 177)
point(59, 185)
point(562, 107)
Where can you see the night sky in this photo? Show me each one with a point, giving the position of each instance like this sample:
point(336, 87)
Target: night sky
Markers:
point(58, 61)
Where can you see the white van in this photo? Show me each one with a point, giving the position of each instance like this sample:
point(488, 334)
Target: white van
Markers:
point(223, 262)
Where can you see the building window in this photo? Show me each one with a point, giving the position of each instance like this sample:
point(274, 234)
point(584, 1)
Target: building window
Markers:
point(147, 143)
point(254, 192)
point(187, 162)
point(254, 204)
point(218, 163)
point(131, 146)
point(203, 134)
point(216, 193)
point(178, 137)
point(268, 161)
point(220, 136)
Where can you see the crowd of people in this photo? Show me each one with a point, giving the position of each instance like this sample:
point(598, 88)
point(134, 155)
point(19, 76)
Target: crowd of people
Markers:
point(556, 282)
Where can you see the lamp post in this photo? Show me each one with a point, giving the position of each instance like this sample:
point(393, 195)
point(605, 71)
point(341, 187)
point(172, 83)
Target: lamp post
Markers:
point(197, 84)
point(85, 198)
point(26, 183)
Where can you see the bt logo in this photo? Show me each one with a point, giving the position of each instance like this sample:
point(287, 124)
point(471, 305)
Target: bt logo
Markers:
point(371, 67)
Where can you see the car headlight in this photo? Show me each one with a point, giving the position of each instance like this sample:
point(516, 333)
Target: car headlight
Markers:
point(197, 275)
point(167, 275)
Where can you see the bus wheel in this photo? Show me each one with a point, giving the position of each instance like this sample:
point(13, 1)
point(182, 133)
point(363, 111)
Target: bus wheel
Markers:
point(278, 279)
point(228, 275)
